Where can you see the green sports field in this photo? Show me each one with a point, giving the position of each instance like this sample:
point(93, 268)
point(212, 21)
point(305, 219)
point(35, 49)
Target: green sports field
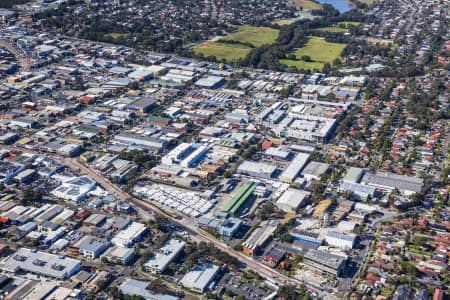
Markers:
point(320, 52)
point(229, 52)
point(257, 36)
point(333, 29)
point(306, 4)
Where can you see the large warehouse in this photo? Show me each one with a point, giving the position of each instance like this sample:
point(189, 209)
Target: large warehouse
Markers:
point(292, 170)
point(292, 199)
point(159, 262)
point(256, 169)
point(324, 262)
point(200, 278)
point(387, 181)
point(42, 263)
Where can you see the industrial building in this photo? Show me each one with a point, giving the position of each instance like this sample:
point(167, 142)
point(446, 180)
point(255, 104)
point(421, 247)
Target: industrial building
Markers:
point(294, 168)
point(130, 235)
point(274, 255)
point(306, 127)
point(132, 287)
point(160, 260)
point(277, 153)
point(228, 227)
point(259, 237)
point(256, 169)
point(292, 199)
point(119, 255)
point(353, 175)
point(241, 197)
point(387, 181)
point(140, 140)
point(24, 123)
point(210, 82)
point(360, 191)
point(142, 75)
point(94, 220)
point(341, 240)
point(195, 156)
point(42, 263)
point(142, 105)
point(75, 189)
point(314, 170)
point(306, 236)
point(200, 278)
point(92, 248)
point(324, 262)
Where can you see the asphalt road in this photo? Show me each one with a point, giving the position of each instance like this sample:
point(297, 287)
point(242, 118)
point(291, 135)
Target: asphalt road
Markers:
point(251, 264)
point(21, 57)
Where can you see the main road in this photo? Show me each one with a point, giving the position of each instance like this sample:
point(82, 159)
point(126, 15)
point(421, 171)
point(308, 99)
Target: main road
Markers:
point(251, 264)
point(188, 224)
point(21, 56)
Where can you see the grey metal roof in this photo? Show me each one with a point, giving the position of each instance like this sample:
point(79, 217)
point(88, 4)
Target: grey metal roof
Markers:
point(324, 258)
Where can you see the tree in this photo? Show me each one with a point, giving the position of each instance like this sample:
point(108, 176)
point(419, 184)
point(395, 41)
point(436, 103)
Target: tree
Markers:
point(29, 196)
point(326, 68)
point(348, 194)
point(158, 286)
point(173, 267)
point(78, 84)
point(266, 210)
point(306, 58)
point(289, 292)
point(298, 258)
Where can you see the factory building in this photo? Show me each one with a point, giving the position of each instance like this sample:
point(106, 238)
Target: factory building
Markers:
point(200, 278)
point(294, 168)
point(324, 262)
point(341, 240)
point(41, 263)
point(159, 262)
point(292, 199)
point(256, 169)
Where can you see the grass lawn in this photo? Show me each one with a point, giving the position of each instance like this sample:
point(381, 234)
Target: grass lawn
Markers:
point(257, 36)
point(349, 22)
point(229, 52)
point(337, 28)
point(333, 29)
point(117, 35)
point(320, 52)
point(300, 64)
point(368, 2)
point(306, 4)
point(285, 21)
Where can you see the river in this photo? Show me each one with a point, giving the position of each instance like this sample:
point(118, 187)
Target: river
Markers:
point(340, 5)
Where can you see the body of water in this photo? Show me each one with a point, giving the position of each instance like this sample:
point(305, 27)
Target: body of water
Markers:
point(340, 5)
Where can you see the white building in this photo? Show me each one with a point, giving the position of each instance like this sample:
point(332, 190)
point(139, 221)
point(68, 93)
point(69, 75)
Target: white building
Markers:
point(192, 159)
point(119, 255)
point(159, 262)
point(200, 278)
point(130, 235)
point(292, 199)
point(341, 240)
point(314, 170)
point(292, 170)
point(75, 189)
point(256, 169)
point(41, 263)
point(387, 181)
